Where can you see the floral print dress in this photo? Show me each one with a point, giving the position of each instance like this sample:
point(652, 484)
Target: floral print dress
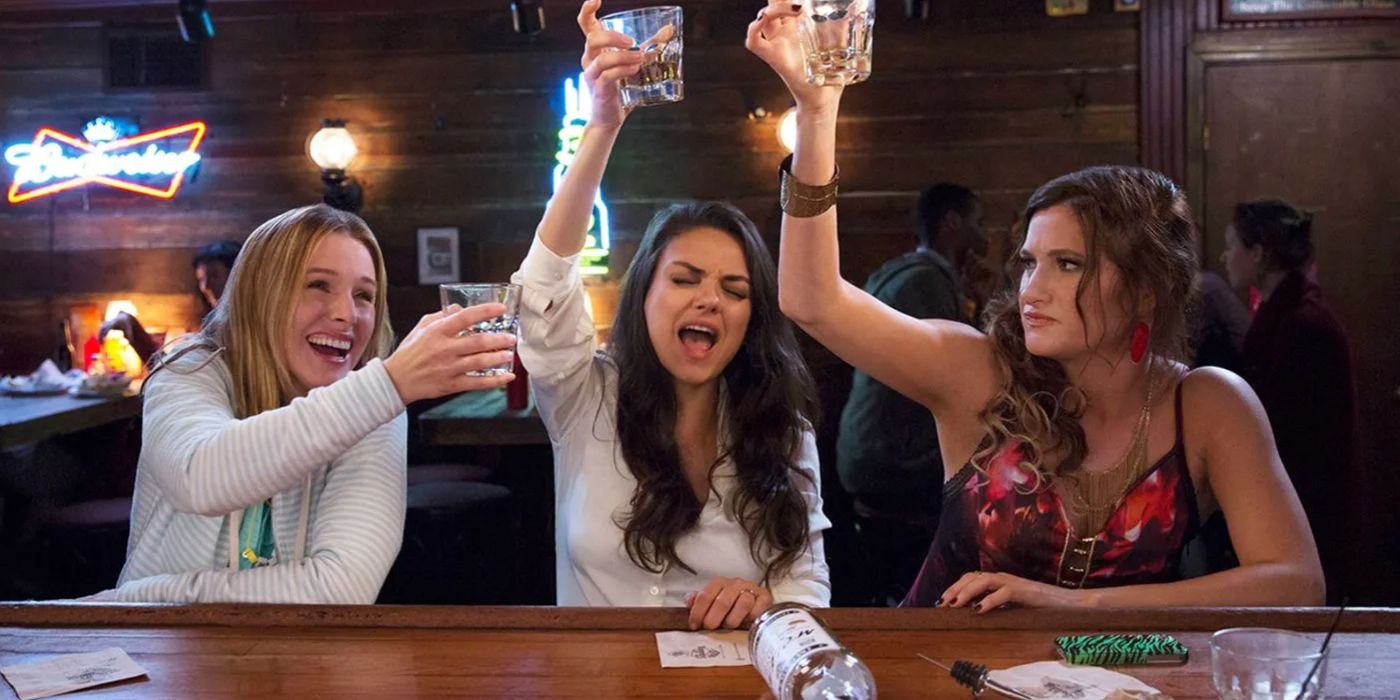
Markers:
point(994, 520)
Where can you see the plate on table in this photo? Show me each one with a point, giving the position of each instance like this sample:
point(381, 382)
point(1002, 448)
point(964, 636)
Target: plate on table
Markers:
point(22, 386)
point(101, 386)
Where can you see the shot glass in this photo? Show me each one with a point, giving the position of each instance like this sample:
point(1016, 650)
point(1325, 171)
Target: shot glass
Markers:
point(655, 31)
point(1257, 663)
point(836, 38)
point(465, 295)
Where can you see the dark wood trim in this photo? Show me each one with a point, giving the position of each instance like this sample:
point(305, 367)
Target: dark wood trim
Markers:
point(1165, 28)
point(1381, 620)
point(1260, 46)
point(1170, 30)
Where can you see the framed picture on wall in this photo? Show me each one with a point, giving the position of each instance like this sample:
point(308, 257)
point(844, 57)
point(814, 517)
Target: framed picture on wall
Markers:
point(1242, 10)
point(438, 259)
point(1066, 8)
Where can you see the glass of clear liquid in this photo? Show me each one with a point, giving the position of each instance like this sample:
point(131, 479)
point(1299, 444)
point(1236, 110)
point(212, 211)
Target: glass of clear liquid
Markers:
point(1255, 663)
point(465, 295)
point(836, 38)
point(656, 32)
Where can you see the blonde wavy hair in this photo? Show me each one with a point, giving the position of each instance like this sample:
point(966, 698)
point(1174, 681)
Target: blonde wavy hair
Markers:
point(255, 312)
point(1139, 220)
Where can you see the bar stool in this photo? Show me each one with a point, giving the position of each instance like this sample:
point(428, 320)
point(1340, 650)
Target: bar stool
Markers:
point(457, 539)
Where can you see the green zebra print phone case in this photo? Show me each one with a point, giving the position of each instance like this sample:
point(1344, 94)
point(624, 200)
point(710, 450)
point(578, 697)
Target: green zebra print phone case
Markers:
point(1121, 649)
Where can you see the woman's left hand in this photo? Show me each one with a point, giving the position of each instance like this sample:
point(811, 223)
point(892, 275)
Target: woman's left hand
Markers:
point(772, 36)
point(727, 603)
point(989, 591)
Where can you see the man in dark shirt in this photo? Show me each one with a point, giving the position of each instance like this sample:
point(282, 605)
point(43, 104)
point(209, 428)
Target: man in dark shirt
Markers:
point(887, 450)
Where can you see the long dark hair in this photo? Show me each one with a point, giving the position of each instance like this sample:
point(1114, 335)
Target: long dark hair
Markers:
point(1283, 231)
point(769, 400)
point(1136, 218)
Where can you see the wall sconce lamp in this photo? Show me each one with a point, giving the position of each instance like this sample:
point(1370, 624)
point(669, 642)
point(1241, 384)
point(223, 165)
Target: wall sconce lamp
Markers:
point(787, 129)
point(332, 149)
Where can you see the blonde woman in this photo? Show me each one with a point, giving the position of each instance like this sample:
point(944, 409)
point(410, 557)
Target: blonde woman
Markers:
point(272, 464)
point(1079, 455)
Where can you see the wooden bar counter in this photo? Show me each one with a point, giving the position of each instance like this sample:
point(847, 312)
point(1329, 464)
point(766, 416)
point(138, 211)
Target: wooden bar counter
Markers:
point(227, 651)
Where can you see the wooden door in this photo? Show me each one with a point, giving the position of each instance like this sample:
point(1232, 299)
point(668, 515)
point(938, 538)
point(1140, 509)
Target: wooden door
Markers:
point(1320, 131)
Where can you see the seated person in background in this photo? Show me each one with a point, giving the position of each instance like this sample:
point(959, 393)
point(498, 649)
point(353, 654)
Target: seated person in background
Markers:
point(212, 264)
point(1298, 359)
point(1079, 452)
point(272, 467)
point(887, 448)
point(685, 463)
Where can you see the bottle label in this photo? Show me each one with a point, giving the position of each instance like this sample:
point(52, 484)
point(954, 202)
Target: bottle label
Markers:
point(788, 637)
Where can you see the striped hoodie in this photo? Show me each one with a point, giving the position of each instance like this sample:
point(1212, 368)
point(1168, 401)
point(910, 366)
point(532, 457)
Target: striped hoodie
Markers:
point(332, 462)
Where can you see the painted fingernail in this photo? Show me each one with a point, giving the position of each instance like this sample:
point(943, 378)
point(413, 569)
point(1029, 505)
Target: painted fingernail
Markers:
point(797, 7)
point(978, 607)
point(938, 602)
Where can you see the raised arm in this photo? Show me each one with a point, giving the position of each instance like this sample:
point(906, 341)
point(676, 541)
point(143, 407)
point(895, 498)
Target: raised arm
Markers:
point(606, 60)
point(892, 347)
point(556, 333)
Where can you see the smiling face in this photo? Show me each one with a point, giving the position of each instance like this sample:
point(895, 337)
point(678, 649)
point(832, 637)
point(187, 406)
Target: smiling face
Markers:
point(697, 307)
point(1053, 262)
point(333, 316)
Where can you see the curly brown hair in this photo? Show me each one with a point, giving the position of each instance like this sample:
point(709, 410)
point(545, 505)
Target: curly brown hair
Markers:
point(1139, 220)
point(769, 401)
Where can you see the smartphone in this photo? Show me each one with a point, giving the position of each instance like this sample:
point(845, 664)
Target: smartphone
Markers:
point(1121, 650)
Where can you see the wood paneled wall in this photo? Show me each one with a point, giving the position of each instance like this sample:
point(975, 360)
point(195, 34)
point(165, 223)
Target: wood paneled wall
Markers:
point(1168, 29)
point(456, 118)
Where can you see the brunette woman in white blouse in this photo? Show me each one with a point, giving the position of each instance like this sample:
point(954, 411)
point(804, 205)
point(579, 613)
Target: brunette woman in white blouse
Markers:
point(685, 466)
point(272, 462)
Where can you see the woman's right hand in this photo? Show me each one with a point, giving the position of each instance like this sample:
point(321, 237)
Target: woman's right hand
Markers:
point(608, 57)
point(434, 359)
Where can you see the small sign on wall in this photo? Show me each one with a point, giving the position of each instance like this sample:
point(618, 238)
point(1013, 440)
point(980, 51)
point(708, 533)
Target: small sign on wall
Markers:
point(109, 153)
point(1065, 8)
point(438, 258)
point(1245, 10)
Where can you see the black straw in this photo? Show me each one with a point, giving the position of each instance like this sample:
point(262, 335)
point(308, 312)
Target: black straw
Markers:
point(1322, 655)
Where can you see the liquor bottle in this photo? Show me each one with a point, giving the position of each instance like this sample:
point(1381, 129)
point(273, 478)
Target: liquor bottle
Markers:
point(518, 390)
point(800, 659)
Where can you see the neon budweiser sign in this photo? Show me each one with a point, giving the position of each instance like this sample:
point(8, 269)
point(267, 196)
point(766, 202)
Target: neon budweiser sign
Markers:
point(153, 163)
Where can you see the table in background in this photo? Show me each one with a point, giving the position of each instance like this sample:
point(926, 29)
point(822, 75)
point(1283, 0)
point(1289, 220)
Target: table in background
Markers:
point(480, 418)
point(25, 419)
point(515, 446)
point(225, 651)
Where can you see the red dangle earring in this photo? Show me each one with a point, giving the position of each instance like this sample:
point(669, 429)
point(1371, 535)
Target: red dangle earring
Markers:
point(1138, 345)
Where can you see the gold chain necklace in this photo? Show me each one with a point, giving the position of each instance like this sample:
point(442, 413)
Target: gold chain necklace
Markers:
point(1096, 494)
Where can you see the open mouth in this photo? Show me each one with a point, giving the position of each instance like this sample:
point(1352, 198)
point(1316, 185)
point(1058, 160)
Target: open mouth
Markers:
point(698, 340)
point(333, 349)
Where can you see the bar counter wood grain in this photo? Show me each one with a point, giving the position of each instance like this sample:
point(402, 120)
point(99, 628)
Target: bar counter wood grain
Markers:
point(229, 651)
